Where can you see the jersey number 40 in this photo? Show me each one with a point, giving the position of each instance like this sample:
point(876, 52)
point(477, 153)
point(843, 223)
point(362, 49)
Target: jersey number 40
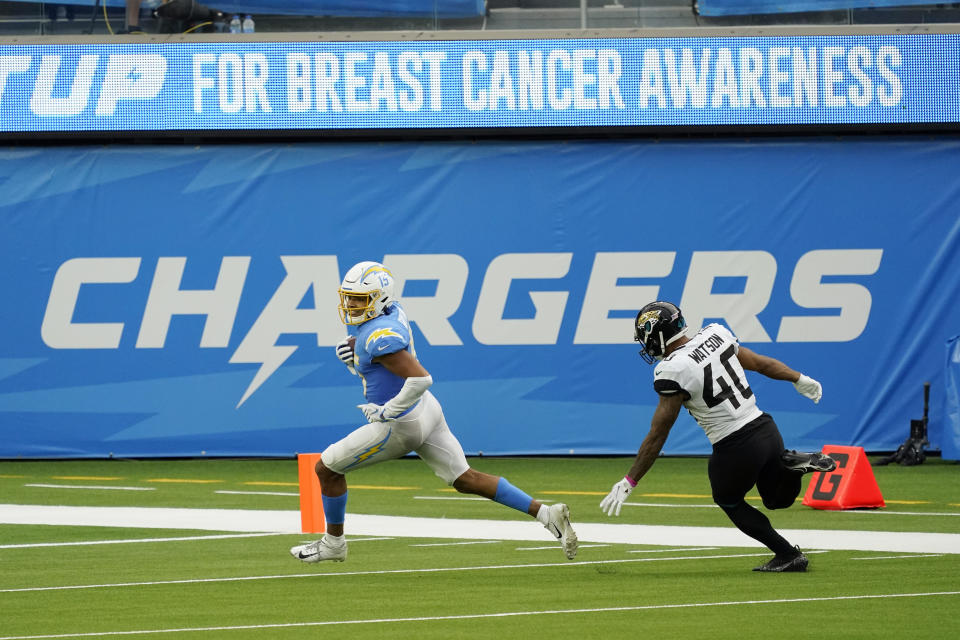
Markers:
point(726, 391)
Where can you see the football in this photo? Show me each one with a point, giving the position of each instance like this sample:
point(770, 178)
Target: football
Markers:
point(352, 340)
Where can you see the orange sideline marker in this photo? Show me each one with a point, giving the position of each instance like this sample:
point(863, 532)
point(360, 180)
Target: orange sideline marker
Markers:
point(311, 506)
point(851, 485)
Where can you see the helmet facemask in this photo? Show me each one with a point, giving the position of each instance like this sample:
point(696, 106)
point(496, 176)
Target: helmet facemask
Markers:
point(651, 349)
point(356, 308)
point(658, 325)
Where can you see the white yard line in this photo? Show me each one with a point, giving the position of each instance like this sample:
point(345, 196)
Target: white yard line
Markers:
point(134, 540)
point(455, 544)
point(671, 550)
point(468, 498)
point(253, 521)
point(33, 545)
point(342, 574)
point(314, 536)
point(885, 512)
point(553, 547)
point(913, 555)
point(670, 506)
point(502, 614)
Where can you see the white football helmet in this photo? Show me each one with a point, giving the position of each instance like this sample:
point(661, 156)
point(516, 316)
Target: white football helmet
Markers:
point(365, 293)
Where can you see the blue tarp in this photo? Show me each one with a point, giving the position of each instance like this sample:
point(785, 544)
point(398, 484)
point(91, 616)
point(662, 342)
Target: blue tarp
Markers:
point(335, 8)
point(951, 425)
point(181, 300)
point(747, 7)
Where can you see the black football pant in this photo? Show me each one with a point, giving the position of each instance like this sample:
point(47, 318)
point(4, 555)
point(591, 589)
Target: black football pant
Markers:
point(747, 458)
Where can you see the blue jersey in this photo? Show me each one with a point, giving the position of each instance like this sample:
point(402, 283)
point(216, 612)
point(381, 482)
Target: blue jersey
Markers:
point(387, 333)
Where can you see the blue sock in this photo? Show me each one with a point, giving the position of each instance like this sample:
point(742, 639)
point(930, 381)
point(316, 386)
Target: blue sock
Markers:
point(334, 509)
point(509, 495)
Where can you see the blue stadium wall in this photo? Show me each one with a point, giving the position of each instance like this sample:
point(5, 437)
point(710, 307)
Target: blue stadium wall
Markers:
point(180, 301)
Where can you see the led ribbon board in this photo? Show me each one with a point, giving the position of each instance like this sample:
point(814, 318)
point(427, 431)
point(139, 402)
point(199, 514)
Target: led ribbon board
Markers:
point(748, 7)
point(634, 82)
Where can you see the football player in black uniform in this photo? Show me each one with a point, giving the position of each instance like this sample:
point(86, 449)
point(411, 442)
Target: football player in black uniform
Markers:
point(705, 374)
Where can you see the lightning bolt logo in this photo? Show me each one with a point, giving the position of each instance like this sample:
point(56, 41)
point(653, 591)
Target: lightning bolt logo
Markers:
point(381, 333)
point(282, 315)
point(370, 451)
point(269, 357)
point(379, 268)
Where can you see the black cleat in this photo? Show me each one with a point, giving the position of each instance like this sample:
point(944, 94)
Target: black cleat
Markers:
point(807, 462)
point(777, 564)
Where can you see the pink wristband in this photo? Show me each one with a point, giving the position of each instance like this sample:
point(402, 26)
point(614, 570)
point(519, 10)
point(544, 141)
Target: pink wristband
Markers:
point(630, 480)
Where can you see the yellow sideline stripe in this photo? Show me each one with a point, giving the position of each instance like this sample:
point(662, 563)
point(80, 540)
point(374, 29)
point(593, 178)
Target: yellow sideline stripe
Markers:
point(183, 480)
point(603, 493)
point(86, 477)
point(5, 475)
point(686, 495)
point(352, 486)
point(573, 493)
point(274, 484)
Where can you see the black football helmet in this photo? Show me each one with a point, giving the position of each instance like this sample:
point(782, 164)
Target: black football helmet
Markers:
point(658, 324)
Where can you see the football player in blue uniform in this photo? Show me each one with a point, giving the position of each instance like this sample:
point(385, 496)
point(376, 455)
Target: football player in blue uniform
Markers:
point(402, 415)
point(705, 374)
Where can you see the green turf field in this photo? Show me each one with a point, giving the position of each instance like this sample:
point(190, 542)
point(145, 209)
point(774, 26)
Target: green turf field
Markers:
point(196, 584)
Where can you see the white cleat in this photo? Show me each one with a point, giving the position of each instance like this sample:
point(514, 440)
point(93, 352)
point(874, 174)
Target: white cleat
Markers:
point(559, 525)
point(319, 551)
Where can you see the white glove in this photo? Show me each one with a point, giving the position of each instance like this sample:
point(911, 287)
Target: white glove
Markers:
point(345, 353)
point(617, 496)
point(807, 386)
point(373, 412)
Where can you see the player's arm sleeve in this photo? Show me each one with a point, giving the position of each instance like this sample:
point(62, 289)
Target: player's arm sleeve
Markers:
point(411, 391)
point(667, 387)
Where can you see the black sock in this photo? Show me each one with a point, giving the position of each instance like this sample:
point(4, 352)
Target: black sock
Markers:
point(757, 526)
